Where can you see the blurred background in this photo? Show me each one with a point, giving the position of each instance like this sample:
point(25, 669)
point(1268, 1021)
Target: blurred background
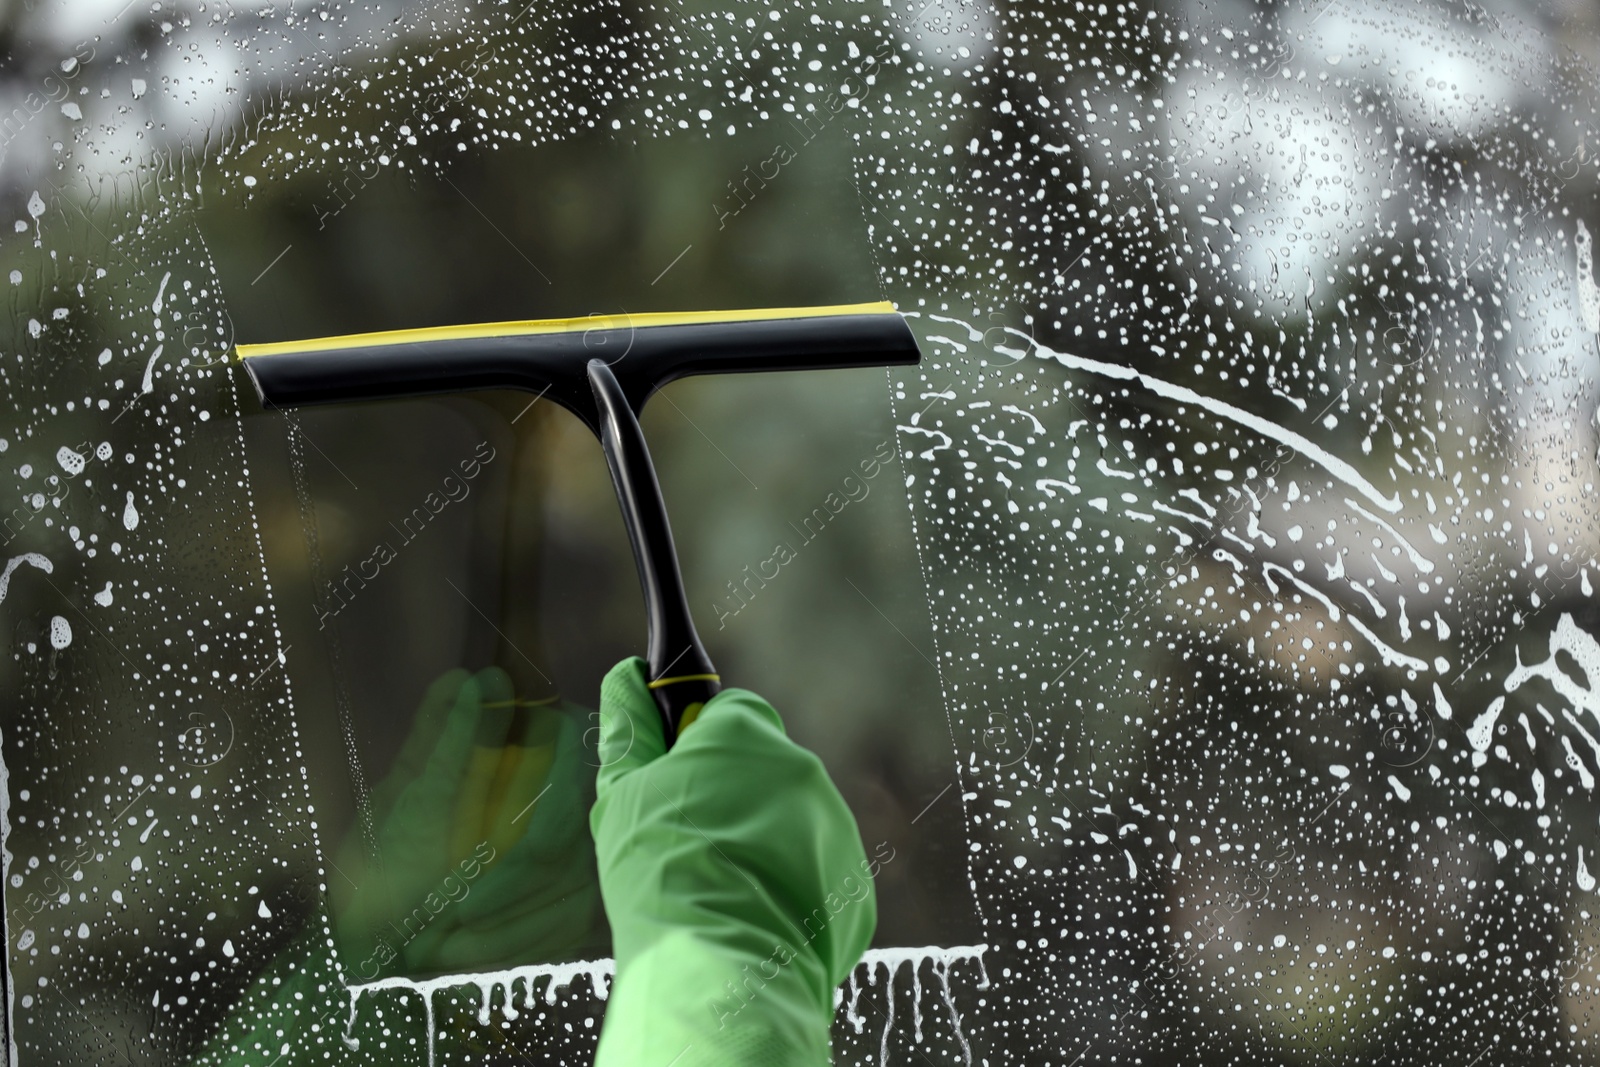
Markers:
point(1214, 645)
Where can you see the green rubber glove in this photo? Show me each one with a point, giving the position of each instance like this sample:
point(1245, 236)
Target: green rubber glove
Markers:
point(734, 877)
point(482, 859)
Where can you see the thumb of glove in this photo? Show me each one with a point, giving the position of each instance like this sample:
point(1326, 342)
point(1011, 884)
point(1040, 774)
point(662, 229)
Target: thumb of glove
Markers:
point(630, 723)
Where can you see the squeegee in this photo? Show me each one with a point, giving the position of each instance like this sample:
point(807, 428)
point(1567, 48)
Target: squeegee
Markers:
point(602, 369)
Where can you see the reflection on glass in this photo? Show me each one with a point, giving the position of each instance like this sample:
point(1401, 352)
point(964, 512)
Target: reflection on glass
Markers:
point(465, 843)
point(482, 859)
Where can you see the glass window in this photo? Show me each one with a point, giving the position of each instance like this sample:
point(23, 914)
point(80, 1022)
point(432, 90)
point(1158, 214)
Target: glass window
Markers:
point(1203, 634)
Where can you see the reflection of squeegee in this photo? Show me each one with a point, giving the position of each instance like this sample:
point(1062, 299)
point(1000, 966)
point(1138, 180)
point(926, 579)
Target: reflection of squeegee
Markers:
point(602, 369)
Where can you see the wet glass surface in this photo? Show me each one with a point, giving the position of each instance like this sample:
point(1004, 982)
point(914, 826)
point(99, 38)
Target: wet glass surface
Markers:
point(1206, 627)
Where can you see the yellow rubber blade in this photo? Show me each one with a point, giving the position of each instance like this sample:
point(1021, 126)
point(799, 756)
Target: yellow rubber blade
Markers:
point(621, 321)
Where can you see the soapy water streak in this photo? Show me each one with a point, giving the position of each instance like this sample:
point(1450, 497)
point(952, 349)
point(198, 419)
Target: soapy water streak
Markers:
point(1297, 443)
point(1290, 444)
point(499, 987)
point(1588, 291)
point(891, 960)
point(1567, 636)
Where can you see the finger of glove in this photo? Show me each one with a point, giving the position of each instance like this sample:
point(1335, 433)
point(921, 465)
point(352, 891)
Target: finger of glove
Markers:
point(630, 723)
point(548, 839)
point(555, 786)
point(477, 781)
point(426, 726)
point(525, 774)
point(729, 706)
point(417, 838)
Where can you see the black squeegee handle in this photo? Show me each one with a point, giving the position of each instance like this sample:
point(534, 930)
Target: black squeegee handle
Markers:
point(682, 677)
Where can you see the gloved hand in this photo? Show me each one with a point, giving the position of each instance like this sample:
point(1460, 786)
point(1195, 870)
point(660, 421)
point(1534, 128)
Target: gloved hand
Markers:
point(734, 877)
point(482, 857)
